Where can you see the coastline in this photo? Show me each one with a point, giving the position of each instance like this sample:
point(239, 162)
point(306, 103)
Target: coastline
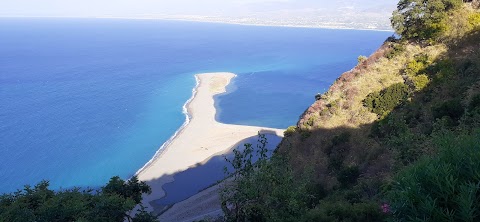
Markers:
point(188, 118)
point(200, 137)
point(267, 25)
point(215, 22)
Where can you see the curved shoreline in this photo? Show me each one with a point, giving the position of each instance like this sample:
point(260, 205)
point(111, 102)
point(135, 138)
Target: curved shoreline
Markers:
point(188, 118)
point(199, 138)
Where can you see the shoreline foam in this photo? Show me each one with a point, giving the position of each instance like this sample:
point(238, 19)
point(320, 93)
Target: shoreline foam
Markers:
point(188, 118)
point(199, 138)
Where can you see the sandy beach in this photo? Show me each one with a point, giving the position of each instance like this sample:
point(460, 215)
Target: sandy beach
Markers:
point(201, 139)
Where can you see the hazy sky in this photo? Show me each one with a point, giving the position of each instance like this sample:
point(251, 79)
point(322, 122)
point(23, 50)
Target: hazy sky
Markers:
point(151, 8)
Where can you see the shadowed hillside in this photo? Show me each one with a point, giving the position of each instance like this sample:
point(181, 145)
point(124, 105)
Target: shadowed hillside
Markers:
point(397, 138)
point(398, 114)
point(441, 83)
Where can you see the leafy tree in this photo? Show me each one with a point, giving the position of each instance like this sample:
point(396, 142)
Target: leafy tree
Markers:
point(132, 189)
point(422, 19)
point(111, 203)
point(262, 191)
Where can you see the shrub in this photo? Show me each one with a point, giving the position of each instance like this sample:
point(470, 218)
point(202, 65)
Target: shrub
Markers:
point(392, 125)
point(413, 67)
point(474, 103)
point(341, 139)
point(324, 112)
point(348, 176)
point(417, 65)
point(407, 147)
point(423, 58)
point(316, 192)
point(305, 135)
point(333, 106)
point(440, 188)
point(362, 59)
point(442, 70)
point(290, 131)
point(114, 202)
point(262, 191)
point(345, 211)
point(311, 121)
point(469, 68)
point(474, 19)
point(396, 49)
point(338, 150)
point(394, 132)
point(386, 100)
point(452, 108)
point(420, 81)
point(335, 160)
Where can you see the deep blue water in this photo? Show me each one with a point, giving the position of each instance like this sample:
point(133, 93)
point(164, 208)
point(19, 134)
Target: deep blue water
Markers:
point(82, 100)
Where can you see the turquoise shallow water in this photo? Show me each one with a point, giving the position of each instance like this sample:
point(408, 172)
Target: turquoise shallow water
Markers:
point(82, 100)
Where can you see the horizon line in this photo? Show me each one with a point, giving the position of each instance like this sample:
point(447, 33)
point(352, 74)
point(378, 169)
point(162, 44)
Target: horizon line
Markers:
point(205, 21)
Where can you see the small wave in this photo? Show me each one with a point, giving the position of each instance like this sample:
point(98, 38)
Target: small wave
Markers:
point(188, 117)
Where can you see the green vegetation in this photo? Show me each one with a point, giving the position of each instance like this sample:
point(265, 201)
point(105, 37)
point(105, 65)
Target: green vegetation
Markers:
point(420, 81)
point(311, 121)
point(305, 134)
point(416, 71)
point(385, 101)
point(262, 191)
point(343, 210)
point(111, 203)
point(474, 104)
point(348, 176)
point(442, 71)
point(361, 59)
point(452, 109)
point(417, 65)
point(444, 187)
point(474, 20)
point(341, 139)
point(403, 147)
point(396, 49)
point(268, 190)
point(395, 139)
point(290, 131)
point(423, 20)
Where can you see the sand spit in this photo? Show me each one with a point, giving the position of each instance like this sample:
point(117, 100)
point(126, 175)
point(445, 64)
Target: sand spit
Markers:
point(200, 139)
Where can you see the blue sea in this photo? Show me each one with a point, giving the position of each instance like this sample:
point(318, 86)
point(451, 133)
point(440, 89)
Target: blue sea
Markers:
point(82, 100)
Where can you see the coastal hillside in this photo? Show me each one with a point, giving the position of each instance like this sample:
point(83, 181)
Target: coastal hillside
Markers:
point(380, 116)
point(395, 138)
